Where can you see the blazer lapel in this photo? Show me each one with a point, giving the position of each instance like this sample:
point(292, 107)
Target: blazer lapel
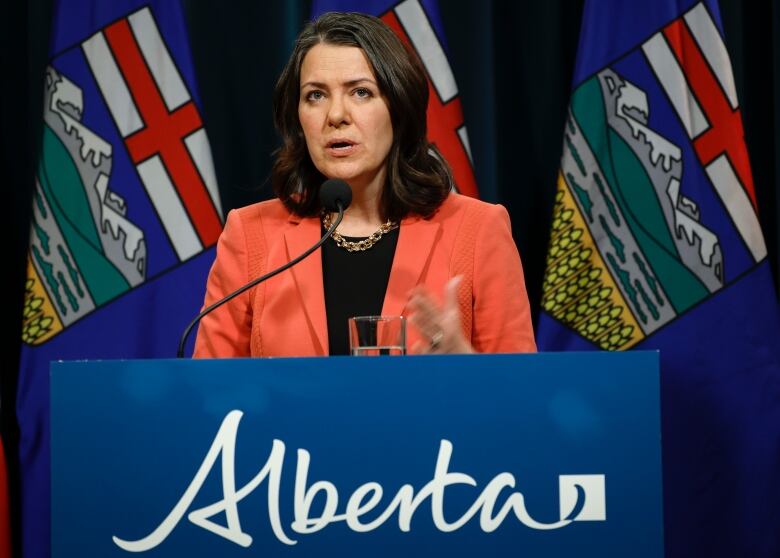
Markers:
point(308, 277)
point(412, 254)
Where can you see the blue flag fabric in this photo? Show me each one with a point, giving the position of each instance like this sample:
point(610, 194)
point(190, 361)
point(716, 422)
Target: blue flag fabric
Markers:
point(125, 211)
point(418, 24)
point(656, 244)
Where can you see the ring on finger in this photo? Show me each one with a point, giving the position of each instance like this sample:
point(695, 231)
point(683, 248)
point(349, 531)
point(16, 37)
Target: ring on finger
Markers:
point(436, 339)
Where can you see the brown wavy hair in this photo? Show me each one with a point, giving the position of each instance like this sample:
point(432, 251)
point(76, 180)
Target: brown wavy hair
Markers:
point(418, 178)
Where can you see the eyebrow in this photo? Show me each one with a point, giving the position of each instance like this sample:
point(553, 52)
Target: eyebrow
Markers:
point(349, 83)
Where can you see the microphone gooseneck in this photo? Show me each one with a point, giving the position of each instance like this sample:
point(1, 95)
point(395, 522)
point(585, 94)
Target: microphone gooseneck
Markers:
point(335, 195)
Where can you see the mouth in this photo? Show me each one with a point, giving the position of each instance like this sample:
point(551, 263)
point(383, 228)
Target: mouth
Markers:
point(341, 147)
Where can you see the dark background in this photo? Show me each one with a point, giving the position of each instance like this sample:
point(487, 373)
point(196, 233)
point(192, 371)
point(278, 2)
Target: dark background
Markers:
point(513, 64)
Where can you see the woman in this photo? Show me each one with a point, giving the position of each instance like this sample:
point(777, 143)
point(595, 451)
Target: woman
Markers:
point(351, 104)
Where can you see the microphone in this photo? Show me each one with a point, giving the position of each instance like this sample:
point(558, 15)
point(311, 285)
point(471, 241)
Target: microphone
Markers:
point(335, 195)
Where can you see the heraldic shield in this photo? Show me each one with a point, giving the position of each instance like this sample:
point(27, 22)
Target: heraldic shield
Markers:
point(125, 188)
point(655, 206)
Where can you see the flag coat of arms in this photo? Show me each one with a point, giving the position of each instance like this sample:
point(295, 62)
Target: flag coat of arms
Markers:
point(419, 26)
point(656, 244)
point(125, 209)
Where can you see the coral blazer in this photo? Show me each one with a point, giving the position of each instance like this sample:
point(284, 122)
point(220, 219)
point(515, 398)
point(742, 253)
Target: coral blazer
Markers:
point(285, 315)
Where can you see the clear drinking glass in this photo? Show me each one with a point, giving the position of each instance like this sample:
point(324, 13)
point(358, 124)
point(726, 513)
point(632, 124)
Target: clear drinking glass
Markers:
point(377, 335)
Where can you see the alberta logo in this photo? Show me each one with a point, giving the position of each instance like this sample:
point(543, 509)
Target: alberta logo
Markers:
point(581, 498)
point(653, 186)
point(125, 187)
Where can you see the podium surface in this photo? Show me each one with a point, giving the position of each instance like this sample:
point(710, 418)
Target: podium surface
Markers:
point(479, 455)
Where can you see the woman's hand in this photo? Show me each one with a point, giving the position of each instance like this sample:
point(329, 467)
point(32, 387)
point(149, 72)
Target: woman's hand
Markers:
point(439, 325)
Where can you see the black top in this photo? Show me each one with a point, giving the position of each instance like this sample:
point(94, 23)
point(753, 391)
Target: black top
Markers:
point(355, 285)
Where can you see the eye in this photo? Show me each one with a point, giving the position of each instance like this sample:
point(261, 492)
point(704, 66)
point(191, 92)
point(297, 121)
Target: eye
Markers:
point(363, 93)
point(314, 95)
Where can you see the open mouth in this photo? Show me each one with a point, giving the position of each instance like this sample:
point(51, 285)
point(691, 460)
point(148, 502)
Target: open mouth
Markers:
point(340, 145)
point(341, 148)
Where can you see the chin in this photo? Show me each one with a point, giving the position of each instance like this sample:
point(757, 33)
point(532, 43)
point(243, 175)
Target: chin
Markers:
point(347, 175)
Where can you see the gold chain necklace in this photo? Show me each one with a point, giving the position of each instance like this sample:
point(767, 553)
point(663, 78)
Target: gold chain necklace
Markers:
point(360, 245)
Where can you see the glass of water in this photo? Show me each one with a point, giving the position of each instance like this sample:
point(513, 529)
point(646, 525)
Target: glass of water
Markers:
point(377, 335)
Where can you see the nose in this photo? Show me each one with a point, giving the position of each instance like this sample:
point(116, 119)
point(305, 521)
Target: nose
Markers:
point(338, 113)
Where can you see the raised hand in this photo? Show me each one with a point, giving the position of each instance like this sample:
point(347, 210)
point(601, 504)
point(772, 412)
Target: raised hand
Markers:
point(440, 326)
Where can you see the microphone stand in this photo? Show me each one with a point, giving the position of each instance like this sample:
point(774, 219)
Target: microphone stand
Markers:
point(234, 294)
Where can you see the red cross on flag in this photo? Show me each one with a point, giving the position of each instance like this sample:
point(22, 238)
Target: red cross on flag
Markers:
point(161, 126)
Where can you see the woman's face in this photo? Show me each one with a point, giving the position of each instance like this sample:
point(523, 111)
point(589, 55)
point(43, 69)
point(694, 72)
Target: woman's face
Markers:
point(345, 118)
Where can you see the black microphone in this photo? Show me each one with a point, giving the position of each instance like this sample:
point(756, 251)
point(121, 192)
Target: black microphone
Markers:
point(335, 195)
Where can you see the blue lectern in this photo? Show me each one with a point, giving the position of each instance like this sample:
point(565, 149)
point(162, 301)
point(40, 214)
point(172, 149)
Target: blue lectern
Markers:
point(482, 455)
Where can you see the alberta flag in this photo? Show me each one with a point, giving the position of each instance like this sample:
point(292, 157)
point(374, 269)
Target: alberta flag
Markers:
point(419, 25)
point(656, 244)
point(125, 209)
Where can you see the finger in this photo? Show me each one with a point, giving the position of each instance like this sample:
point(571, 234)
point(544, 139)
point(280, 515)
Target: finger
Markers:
point(421, 299)
point(425, 313)
point(451, 294)
point(426, 326)
point(420, 348)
